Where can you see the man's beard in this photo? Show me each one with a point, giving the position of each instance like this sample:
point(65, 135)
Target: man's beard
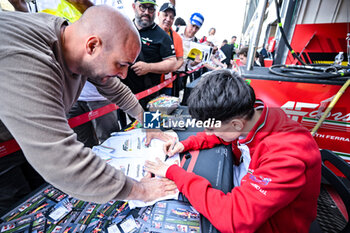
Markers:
point(89, 71)
point(144, 23)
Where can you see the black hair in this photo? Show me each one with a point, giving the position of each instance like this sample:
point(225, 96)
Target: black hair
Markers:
point(222, 95)
point(179, 22)
point(244, 51)
point(225, 41)
point(234, 37)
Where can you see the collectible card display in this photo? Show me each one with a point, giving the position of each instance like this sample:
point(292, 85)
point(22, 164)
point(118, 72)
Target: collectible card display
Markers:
point(170, 216)
point(51, 211)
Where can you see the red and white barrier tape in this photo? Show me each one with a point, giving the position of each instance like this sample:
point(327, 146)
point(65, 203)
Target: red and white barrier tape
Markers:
point(8, 147)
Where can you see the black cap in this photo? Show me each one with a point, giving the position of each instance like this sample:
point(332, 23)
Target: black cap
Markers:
point(166, 6)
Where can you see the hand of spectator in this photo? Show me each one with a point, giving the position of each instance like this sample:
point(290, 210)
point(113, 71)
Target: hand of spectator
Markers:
point(158, 134)
point(158, 168)
point(140, 68)
point(234, 66)
point(150, 189)
point(197, 60)
point(173, 147)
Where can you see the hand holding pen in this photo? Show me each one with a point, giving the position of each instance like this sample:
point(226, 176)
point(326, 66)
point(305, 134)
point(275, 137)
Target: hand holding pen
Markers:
point(173, 147)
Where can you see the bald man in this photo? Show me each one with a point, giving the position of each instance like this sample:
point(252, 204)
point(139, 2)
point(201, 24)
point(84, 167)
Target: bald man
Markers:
point(44, 63)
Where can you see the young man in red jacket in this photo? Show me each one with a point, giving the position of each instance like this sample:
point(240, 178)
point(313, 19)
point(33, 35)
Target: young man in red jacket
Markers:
point(278, 164)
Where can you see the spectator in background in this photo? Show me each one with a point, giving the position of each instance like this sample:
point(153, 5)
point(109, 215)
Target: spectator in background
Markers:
point(263, 51)
point(216, 58)
point(178, 23)
point(188, 35)
point(234, 46)
point(243, 53)
point(263, 54)
point(210, 37)
point(223, 42)
point(157, 53)
point(166, 17)
point(227, 49)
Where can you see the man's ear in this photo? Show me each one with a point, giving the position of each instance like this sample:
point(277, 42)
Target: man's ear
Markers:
point(238, 124)
point(93, 44)
point(133, 6)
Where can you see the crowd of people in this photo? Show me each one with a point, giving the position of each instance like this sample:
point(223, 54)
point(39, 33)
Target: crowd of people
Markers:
point(51, 70)
point(149, 70)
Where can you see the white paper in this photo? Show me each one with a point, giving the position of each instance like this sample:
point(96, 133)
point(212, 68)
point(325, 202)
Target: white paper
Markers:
point(128, 225)
point(205, 49)
point(127, 152)
point(130, 144)
point(113, 229)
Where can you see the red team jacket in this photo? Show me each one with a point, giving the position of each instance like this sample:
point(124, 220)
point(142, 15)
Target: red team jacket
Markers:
point(279, 192)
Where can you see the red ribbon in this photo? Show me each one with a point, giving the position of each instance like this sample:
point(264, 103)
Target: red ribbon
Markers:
point(12, 146)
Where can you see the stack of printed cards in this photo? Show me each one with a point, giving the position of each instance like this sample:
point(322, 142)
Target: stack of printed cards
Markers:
point(169, 216)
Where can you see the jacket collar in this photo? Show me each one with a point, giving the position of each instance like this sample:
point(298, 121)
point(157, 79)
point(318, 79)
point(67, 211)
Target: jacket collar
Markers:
point(258, 125)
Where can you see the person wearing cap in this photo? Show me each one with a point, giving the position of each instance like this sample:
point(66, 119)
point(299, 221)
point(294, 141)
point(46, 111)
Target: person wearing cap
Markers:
point(188, 34)
point(196, 22)
point(157, 53)
point(166, 17)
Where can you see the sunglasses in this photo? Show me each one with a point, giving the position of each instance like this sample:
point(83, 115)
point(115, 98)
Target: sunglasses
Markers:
point(143, 8)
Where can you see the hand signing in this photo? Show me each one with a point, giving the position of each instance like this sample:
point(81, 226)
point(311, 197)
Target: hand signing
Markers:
point(173, 147)
point(158, 168)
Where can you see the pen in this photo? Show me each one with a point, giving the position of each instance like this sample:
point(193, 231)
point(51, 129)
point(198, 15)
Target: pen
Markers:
point(167, 156)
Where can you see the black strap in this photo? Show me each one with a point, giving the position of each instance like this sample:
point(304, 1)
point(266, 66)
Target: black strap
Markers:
point(171, 35)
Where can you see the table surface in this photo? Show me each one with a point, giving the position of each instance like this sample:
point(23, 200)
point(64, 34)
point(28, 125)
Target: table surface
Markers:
point(32, 212)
